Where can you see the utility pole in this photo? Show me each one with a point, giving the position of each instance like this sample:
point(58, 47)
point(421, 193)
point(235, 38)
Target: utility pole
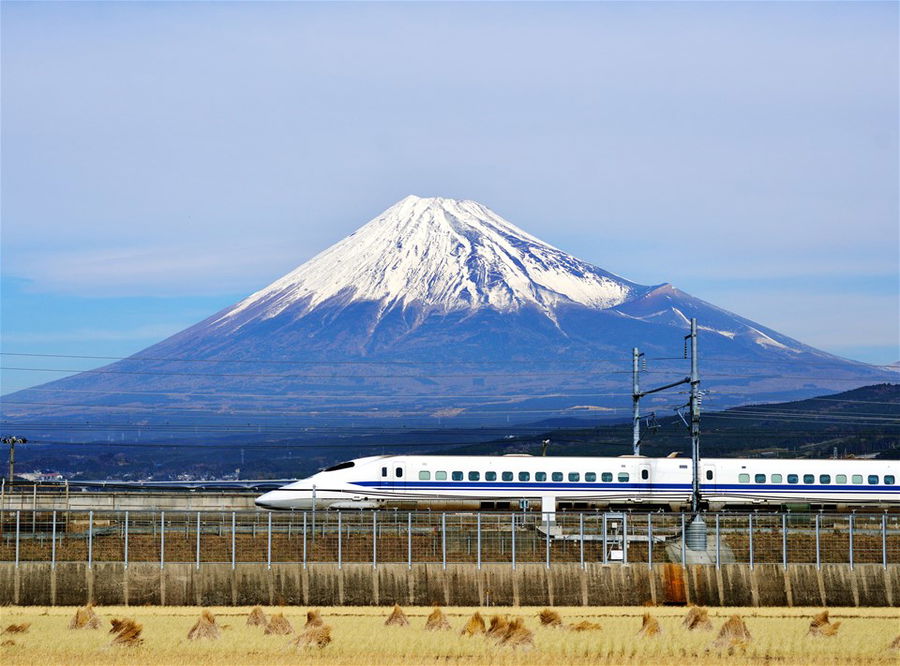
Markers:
point(12, 441)
point(695, 417)
point(635, 401)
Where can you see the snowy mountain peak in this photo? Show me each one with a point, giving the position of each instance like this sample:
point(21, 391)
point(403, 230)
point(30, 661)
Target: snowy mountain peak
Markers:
point(439, 254)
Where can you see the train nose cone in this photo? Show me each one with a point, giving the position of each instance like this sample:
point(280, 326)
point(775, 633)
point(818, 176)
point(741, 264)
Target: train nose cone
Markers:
point(275, 499)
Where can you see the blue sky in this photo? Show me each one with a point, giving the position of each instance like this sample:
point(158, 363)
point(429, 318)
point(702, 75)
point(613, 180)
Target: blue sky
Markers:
point(161, 161)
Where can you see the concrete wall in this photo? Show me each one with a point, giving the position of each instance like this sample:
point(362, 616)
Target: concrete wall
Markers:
point(112, 501)
point(36, 583)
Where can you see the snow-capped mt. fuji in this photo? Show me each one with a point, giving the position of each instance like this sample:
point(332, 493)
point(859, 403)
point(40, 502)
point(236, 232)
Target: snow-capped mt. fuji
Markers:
point(439, 255)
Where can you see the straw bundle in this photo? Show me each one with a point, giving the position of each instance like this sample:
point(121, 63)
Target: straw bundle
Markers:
point(697, 618)
point(7, 643)
point(734, 633)
point(649, 627)
point(279, 625)
point(895, 644)
point(475, 625)
point(205, 628)
point(499, 624)
point(313, 619)
point(257, 618)
point(85, 618)
point(397, 618)
point(437, 621)
point(17, 628)
point(315, 636)
point(550, 618)
point(584, 625)
point(128, 633)
point(821, 627)
point(517, 636)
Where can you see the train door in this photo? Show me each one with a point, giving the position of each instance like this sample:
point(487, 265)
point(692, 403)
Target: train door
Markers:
point(708, 479)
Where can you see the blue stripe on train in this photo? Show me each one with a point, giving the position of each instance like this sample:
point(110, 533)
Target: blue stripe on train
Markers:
point(517, 485)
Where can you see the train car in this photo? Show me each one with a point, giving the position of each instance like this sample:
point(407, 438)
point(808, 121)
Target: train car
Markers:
point(551, 483)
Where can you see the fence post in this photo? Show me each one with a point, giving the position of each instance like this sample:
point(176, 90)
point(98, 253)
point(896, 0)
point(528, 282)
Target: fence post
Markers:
point(547, 528)
point(718, 543)
point(125, 554)
point(53, 544)
point(513, 542)
point(884, 541)
point(340, 540)
point(478, 538)
point(197, 546)
point(649, 541)
point(304, 539)
point(374, 539)
point(443, 540)
point(90, 538)
point(683, 541)
point(409, 540)
point(750, 534)
point(18, 513)
point(818, 542)
point(34, 509)
point(162, 539)
point(233, 540)
point(269, 541)
point(581, 539)
point(784, 541)
point(605, 554)
point(851, 541)
point(624, 538)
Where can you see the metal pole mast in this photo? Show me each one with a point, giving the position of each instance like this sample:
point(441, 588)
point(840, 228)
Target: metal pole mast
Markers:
point(636, 401)
point(695, 418)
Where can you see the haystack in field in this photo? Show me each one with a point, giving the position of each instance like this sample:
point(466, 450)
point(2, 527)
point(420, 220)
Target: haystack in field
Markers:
point(517, 636)
point(257, 618)
point(205, 628)
point(397, 618)
point(128, 633)
point(475, 625)
point(734, 633)
point(85, 618)
point(649, 627)
point(550, 618)
point(697, 618)
point(315, 636)
point(499, 624)
point(313, 619)
point(437, 621)
point(17, 628)
point(279, 625)
point(584, 625)
point(821, 627)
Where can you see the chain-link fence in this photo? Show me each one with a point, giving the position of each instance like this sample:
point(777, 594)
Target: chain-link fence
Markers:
point(445, 538)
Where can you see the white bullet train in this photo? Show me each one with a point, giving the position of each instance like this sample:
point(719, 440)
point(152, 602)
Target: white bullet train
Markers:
point(551, 483)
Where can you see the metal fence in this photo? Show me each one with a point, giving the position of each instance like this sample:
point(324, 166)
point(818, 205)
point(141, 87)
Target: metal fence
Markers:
point(378, 537)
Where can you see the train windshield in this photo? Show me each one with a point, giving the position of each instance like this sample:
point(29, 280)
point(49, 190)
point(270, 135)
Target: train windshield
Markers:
point(343, 465)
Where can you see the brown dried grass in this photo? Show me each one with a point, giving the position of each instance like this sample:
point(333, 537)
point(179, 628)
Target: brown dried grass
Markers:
point(85, 618)
point(397, 618)
point(499, 624)
point(279, 625)
point(8, 643)
point(257, 618)
point(17, 628)
point(649, 627)
point(318, 635)
point(437, 621)
point(517, 635)
point(205, 628)
point(584, 625)
point(128, 633)
point(734, 633)
point(313, 619)
point(475, 625)
point(697, 618)
point(550, 618)
point(895, 644)
point(821, 627)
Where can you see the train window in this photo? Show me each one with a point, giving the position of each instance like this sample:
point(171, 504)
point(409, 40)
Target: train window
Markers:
point(424, 476)
point(873, 479)
point(759, 478)
point(440, 476)
point(793, 478)
point(398, 472)
point(743, 478)
point(384, 471)
point(645, 474)
point(809, 478)
point(623, 477)
point(709, 475)
point(456, 476)
point(590, 477)
point(490, 476)
point(540, 476)
point(840, 478)
point(857, 478)
point(524, 476)
point(825, 478)
point(474, 476)
point(574, 476)
point(606, 477)
point(776, 478)
point(557, 476)
point(888, 479)
point(507, 476)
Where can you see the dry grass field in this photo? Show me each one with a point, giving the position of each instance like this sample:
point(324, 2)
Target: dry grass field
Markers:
point(359, 636)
